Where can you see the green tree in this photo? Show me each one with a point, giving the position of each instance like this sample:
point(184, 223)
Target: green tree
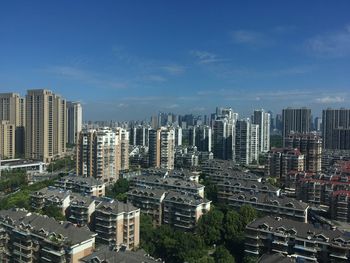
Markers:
point(248, 214)
point(210, 227)
point(53, 211)
point(119, 189)
point(232, 225)
point(222, 255)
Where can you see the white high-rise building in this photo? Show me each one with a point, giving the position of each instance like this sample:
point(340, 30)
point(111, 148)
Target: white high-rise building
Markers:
point(262, 118)
point(247, 142)
point(224, 134)
point(178, 135)
point(75, 121)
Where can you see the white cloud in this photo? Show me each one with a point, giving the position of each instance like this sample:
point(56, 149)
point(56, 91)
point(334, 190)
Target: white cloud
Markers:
point(330, 99)
point(156, 78)
point(335, 44)
point(173, 69)
point(249, 37)
point(205, 57)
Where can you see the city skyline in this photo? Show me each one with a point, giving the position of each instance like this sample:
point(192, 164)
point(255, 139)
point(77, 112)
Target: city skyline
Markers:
point(127, 61)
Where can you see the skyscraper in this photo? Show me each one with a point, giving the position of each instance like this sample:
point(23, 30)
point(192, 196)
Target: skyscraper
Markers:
point(224, 134)
point(296, 120)
point(336, 129)
point(203, 138)
point(262, 119)
point(247, 142)
point(12, 109)
point(46, 125)
point(75, 121)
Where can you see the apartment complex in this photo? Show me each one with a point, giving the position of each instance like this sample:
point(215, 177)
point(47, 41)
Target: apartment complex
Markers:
point(300, 240)
point(7, 140)
point(83, 185)
point(269, 205)
point(201, 137)
point(336, 129)
point(117, 224)
point(122, 149)
point(46, 125)
point(74, 121)
point(27, 237)
point(310, 145)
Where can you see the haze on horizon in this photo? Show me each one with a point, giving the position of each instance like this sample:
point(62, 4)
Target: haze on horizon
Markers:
point(130, 59)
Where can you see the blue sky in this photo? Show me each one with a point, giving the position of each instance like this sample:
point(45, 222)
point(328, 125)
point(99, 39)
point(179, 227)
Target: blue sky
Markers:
point(130, 59)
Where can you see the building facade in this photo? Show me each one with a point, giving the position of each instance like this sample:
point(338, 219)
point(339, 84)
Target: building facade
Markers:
point(75, 121)
point(46, 125)
point(296, 120)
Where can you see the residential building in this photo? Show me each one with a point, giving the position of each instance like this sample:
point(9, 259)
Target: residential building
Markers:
point(7, 140)
point(123, 149)
point(149, 201)
point(74, 121)
point(336, 129)
point(83, 185)
point(98, 155)
point(107, 255)
point(310, 145)
point(30, 237)
point(229, 187)
point(282, 161)
point(183, 211)
point(50, 196)
point(12, 109)
point(296, 120)
point(117, 224)
point(168, 183)
point(224, 138)
point(81, 210)
point(46, 125)
point(262, 119)
point(277, 205)
point(300, 240)
point(203, 138)
point(247, 142)
point(162, 148)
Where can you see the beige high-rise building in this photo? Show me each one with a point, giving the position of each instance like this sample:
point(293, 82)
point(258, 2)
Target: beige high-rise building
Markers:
point(123, 148)
point(7, 140)
point(162, 148)
point(12, 109)
point(46, 125)
point(97, 154)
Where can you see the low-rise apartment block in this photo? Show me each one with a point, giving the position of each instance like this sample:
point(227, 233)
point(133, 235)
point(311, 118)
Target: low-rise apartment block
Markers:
point(300, 240)
point(84, 185)
point(117, 224)
point(282, 206)
point(183, 211)
point(150, 201)
point(27, 237)
point(229, 187)
point(50, 196)
point(106, 255)
point(81, 210)
point(168, 183)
